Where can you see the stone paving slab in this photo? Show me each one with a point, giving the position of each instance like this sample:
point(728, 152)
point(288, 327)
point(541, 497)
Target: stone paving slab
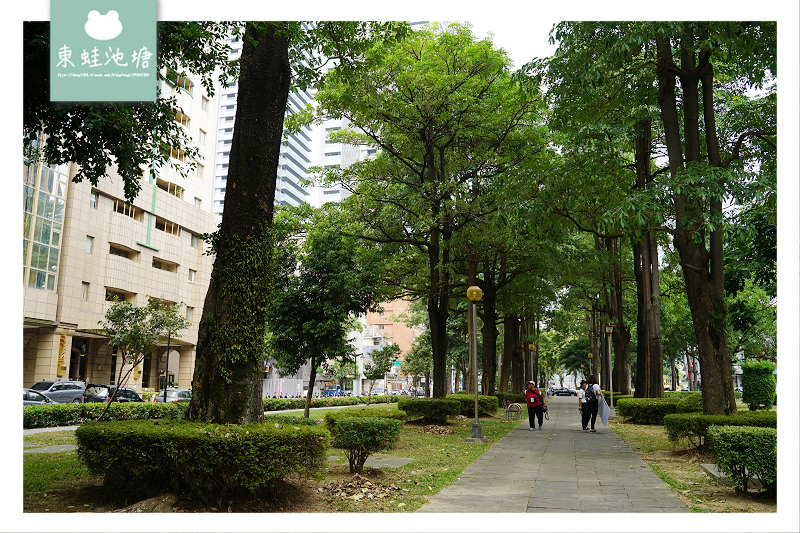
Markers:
point(561, 469)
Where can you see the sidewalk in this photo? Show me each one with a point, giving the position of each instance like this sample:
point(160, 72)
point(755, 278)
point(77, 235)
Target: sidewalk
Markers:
point(561, 469)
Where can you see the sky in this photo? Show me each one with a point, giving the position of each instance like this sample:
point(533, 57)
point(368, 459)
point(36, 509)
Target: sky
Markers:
point(521, 28)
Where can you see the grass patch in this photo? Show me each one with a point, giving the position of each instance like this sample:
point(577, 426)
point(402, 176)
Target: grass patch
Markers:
point(50, 438)
point(437, 461)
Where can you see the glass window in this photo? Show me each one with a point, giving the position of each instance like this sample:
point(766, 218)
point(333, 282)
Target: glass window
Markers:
point(93, 199)
point(89, 244)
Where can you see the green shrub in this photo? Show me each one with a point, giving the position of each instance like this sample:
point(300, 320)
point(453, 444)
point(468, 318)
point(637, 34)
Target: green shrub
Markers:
point(679, 393)
point(212, 462)
point(746, 452)
point(362, 436)
point(650, 411)
point(694, 426)
point(509, 398)
point(758, 383)
point(362, 412)
point(67, 414)
point(289, 420)
point(618, 398)
point(283, 404)
point(487, 405)
point(431, 411)
point(690, 403)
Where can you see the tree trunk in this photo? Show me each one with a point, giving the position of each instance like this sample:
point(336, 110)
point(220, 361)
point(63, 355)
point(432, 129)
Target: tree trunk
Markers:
point(641, 272)
point(621, 338)
point(509, 343)
point(650, 348)
point(227, 385)
point(701, 268)
point(489, 335)
point(517, 359)
point(438, 310)
point(311, 381)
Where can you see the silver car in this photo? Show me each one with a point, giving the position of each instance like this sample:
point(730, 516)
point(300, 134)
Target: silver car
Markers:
point(32, 397)
point(61, 391)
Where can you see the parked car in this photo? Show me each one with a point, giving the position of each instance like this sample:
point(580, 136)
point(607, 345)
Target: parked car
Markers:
point(174, 395)
point(102, 393)
point(60, 391)
point(563, 391)
point(375, 392)
point(32, 397)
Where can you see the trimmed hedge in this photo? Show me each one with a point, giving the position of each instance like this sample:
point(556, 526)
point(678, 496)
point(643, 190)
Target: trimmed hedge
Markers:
point(746, 452)
point(289, 420)
point(487, 405)
point(694, 426)
point(647, 411)
point(68, 414)
point(758, 383)
point(362, 436)
point(141, 458)
point(431, 411)
point(690, 403)
point(362, 412)
point(283, 404)
point(509, 398)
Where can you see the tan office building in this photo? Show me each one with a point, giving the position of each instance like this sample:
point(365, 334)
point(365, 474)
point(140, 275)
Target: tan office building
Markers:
point(83, 245)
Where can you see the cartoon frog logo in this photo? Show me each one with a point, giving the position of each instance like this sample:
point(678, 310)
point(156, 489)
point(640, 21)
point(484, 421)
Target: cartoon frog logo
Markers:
point(103, 27)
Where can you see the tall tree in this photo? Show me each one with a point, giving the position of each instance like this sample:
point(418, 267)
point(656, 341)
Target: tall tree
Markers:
point(449, 120)
point(686, 55)
point(227, 380)
point(227, 387)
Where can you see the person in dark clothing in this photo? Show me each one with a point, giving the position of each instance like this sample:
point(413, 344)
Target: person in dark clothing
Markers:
point(582, 404)
point(535, 405)
point(593, 394)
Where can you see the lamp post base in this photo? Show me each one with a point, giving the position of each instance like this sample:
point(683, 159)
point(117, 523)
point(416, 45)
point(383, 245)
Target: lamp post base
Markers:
point(477, 434)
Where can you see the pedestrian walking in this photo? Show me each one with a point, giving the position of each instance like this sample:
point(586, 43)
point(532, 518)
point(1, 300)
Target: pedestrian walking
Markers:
point(593, 394)
point(582, 404)
point(535, 402)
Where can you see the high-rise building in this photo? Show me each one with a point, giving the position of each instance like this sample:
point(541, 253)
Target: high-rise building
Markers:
point(295, 153)
point(84, 246)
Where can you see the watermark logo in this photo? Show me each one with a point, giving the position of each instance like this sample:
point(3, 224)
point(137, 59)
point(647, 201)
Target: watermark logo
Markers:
point(103, 27)
point(103, 51)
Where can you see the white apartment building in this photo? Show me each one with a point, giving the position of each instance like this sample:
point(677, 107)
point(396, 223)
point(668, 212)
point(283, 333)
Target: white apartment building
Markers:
point(83, 245)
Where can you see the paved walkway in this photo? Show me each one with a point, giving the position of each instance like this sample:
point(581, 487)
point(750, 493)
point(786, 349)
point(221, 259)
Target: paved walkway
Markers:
point(561, 469)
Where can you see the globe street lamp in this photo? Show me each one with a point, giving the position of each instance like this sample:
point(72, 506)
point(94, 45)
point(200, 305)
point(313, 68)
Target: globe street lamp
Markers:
point(609, 331)
point(589, 355)
point(474, 295)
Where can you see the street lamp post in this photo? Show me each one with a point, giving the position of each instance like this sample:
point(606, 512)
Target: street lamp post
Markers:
point(609, 331)
point(474, 295)
point(534, 364)
point(591, 369)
